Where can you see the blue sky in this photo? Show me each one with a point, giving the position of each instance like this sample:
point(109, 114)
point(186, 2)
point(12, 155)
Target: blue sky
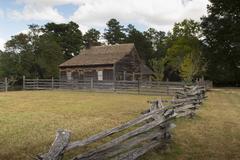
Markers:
point(16, 15)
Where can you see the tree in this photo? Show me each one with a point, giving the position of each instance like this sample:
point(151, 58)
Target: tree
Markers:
point(158, 40)
point(188, 69)
point(49, 56)
point(143, 46)
point(158, 68)
point(18, 43)
point(18, 52)
point(187, 28)
point(9, 65)
point(222, 40)
point(184, 44)
point(91, 38)
point(68, 36)
point(114, 33)
point(33, 54)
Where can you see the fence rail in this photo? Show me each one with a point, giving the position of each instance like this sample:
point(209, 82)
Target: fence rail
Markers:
point(141, 87)
point(134, 138)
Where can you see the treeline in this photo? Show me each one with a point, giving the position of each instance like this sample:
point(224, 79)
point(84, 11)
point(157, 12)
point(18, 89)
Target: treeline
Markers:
point(190, 50)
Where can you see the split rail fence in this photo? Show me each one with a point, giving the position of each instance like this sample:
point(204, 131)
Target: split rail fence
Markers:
point(134, 138)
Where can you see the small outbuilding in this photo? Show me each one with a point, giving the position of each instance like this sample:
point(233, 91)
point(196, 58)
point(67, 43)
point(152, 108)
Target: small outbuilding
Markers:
point(109, 62)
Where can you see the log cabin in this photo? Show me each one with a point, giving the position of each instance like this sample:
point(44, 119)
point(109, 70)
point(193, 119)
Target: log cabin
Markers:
point(109, 62)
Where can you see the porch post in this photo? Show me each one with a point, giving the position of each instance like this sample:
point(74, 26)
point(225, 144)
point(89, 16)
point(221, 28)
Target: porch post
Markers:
point(114, 72)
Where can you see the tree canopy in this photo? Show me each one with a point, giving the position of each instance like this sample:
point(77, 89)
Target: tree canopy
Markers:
point(114, 33)
point(190, 50)
point(222, 39)
point(91, 38)
point(68, 36)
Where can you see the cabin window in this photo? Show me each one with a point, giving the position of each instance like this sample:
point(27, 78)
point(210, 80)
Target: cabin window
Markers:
point(108, 74)
point(69, 76)
point(75, 75)
point(100, 75)
point(88, 75)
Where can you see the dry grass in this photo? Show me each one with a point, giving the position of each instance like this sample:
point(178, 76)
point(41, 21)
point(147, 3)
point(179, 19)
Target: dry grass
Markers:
point(29, 120)
point(213, 135)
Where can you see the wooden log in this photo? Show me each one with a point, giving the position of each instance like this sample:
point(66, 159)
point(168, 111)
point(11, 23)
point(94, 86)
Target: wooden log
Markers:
point(137, 140)
point(154, 105)
point(122, 138)
point(135, 153)
point(114, 130)
point(185, 107)
point(58, 147)
point(185, 113)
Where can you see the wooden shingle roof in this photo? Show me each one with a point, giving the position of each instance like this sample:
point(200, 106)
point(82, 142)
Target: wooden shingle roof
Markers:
point(100, 55)
point(145, 70)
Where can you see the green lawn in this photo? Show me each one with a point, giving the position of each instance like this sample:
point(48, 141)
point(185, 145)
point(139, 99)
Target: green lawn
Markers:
point(29, 119)
point(214, 134)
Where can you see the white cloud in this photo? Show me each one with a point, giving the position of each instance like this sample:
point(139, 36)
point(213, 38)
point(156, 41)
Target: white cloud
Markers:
point(160, 14)
point(25, 31)
point(49, 2)
point(31, 12)
point(2, 42)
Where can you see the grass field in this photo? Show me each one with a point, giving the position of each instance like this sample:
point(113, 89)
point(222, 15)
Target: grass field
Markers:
point(29, 119)
point(214, 134)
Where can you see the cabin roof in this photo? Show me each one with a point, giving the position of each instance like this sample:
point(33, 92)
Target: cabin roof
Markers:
point(145, 70)
point(100, 55)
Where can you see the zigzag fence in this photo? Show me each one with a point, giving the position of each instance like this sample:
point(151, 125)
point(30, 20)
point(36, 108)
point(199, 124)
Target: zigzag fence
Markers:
point(134, 138)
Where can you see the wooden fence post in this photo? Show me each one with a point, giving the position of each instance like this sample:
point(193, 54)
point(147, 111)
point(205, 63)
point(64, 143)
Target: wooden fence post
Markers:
point(52, 82)
point(56, 151)
point(114, 86)
point(37, 83)
point(138, 86)
point(92, 83)
point(167, 89)
point(6, 84)
point(24, 83)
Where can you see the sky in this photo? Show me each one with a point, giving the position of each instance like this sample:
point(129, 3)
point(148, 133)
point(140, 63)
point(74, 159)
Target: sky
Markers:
point(16, 15)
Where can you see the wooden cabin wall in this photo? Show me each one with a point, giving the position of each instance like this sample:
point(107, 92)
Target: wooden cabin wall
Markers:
point(87, 73)
point(128, 64)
